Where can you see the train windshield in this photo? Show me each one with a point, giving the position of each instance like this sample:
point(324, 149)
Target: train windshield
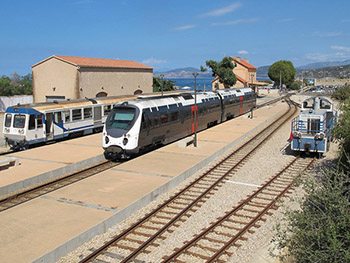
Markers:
point(19, 121)
point(120, 118)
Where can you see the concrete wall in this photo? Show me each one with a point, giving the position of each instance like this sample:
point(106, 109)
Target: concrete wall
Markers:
point(55, 78)
point(114, 81)
point(14, 100)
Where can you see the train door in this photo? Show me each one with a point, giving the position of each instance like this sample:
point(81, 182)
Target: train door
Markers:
point(49, 126)
point(193, 118)
point(97, 116)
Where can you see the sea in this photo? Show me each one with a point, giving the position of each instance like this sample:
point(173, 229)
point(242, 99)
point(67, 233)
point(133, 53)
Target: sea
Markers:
point(188, 84)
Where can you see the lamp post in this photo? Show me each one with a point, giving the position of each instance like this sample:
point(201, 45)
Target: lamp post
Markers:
point(161, 86)
point(195, 74)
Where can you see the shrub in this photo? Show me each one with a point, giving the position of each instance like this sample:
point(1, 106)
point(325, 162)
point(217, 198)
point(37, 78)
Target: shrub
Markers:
point(320, 230)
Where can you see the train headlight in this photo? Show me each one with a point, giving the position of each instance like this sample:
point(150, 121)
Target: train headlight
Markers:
point(319, 136)
point(106, 140)
point(7, 130)
point(296, 134)
point(125, 141)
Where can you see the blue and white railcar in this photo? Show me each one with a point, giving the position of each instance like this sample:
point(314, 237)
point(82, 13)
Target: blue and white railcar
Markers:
point(30, 124)
point(311, 130)
point(144, 123)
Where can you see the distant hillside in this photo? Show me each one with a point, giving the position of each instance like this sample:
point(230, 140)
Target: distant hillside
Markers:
point(183, 73)
point(323, 65)
point(262, 72)
point(330, 72)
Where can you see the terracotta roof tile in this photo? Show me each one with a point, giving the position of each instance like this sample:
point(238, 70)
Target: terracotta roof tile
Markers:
point(102, 62)
point(243, 63)
point(238, 78)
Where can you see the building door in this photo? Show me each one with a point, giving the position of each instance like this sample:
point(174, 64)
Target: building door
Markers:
point(49, 126)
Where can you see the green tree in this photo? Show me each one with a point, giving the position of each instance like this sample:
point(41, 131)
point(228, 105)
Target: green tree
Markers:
point(296, 85)
point(5, 86)
point(342, 94)
point(282, 70)
point(223, 70)
point(341, 131)
point(168, 85)
point(16, 85)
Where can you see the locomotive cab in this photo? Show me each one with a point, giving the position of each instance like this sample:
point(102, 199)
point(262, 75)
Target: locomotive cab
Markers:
point(119, 132)
point(21, 128)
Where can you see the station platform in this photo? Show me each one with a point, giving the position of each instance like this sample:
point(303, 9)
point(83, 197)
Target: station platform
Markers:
point(49, 227)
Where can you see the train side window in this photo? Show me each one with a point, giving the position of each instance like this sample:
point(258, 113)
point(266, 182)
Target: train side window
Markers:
point(67, 116)
point(76, 114)
point(143, 122)
point(8, 120)
point(164, 118)
point(39, 120)
point(156, 120)
point(58, 117)
point(174, 116)
point(87, 113)
point(107, 109)
point(31, 122)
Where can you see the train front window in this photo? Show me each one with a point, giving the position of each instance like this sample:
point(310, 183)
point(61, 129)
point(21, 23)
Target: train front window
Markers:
point(120, 118)
point(19, 121)
point(8, 120)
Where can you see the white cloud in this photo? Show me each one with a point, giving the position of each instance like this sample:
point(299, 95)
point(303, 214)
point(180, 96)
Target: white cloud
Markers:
point(222, 11)
point(153, 61)
point(341, 48)
point(242, 52)
point(186, 27)
point(235, 22)
point(327, 56)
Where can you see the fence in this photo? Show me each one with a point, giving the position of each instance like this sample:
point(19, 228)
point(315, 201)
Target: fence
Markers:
point(14, 100)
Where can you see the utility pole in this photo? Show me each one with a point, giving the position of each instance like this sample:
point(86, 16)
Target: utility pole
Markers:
point(195, 74)
point(161, 86)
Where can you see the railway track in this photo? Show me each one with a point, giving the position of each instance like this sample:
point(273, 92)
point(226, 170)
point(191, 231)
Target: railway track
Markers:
point(215, 242)
point(27, 195)
point(147, 233)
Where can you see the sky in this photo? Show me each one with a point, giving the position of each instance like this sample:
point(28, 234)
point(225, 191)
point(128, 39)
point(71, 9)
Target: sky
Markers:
point(173, 34)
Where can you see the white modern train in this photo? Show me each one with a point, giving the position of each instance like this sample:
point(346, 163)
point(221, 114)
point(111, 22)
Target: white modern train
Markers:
point(143, 123)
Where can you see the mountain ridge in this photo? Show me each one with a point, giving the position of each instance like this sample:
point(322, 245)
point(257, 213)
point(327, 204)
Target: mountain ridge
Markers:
point(308, 70)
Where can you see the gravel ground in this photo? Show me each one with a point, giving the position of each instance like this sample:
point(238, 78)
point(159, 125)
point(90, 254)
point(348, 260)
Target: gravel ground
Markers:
point(266, 162)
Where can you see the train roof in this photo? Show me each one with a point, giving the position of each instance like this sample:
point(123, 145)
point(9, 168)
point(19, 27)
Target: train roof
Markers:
point(186, 98)
point(47, 106)
point(317, 105)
